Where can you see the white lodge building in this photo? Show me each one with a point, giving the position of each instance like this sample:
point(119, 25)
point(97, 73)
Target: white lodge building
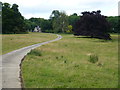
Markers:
point(37, 29)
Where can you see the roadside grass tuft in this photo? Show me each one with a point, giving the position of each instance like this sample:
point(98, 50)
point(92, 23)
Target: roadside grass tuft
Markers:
point(57, 57)
point(93, 58)
point(35, 52)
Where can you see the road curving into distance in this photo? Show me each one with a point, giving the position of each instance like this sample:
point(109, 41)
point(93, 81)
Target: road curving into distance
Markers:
point(10, 67)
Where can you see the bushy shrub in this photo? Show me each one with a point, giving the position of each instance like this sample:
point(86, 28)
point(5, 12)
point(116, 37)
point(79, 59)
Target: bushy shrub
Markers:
point(93, 58)
point(35, 52)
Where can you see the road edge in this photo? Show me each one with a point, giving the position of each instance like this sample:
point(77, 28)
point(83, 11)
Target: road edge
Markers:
point(20, 65)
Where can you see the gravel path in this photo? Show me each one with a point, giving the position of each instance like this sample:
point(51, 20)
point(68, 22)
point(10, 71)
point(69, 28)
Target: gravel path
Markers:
point(10, 66)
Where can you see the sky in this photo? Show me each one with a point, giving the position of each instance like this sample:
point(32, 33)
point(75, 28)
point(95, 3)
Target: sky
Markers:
point(44, 8)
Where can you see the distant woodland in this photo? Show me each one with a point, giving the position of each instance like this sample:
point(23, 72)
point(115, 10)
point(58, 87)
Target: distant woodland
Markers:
point(59, 22)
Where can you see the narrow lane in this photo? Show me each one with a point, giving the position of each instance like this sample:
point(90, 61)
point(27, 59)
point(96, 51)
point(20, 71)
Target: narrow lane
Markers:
point(10, 67)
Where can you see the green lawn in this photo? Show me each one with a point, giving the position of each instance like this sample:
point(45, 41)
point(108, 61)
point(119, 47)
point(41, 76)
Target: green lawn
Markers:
point(64, 64)
point(12, 42)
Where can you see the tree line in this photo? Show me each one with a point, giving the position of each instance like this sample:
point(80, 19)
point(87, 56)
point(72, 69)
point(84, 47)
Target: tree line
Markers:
point(13, 22)
point(59, 22)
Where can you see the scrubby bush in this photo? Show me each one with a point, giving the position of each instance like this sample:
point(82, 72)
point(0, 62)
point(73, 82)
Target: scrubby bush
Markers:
point(35, 52)
point(93, 58)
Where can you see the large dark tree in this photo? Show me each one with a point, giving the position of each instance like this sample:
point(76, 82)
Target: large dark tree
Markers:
point(93, 24)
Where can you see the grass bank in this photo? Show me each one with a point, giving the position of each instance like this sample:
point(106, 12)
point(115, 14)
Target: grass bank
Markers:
point(65, 64)
point(12, 42)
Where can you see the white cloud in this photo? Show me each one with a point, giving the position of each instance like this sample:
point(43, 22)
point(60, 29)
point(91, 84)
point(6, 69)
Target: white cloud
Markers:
point(43, 8)
point(45, 15)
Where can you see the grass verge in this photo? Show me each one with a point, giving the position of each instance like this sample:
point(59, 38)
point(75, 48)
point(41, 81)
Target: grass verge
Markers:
point(65, 64)
point(12, 42)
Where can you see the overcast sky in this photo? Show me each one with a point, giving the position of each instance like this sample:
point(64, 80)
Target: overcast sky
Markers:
point(43, 8)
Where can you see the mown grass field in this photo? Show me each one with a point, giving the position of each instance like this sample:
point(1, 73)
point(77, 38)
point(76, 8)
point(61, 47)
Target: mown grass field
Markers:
point(65, 64)
point(12, 42)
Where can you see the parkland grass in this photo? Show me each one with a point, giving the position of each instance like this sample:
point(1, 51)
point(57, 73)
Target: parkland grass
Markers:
point(65, 64)
point(12, 42)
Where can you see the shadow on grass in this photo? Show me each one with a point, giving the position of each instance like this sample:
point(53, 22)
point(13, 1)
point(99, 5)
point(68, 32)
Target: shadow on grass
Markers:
point(114, 39)
point(83, 37)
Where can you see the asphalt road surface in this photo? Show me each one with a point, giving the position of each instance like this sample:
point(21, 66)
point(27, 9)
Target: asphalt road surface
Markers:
point(10, 67)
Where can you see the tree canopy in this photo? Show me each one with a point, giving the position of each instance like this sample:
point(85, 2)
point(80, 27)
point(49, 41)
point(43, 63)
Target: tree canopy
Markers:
point(0, 17)
point(93, 24)
point(12, 20)
point(73, 19)
point(44, 24)
point(89, 24)
point(59, 21)
point(114, 24)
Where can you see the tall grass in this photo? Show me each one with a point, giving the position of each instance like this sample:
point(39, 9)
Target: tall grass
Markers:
point(65, 64)
point(12, 42)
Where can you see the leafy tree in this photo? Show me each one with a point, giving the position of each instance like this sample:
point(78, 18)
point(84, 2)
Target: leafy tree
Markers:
point(93, 24)
point(55, 14)
point(73, 19)
point(18, 20)
point(12, 20)
point(69, 29)
point(63, 22)
point(46, 25)
point(55, 18)
point(114, 24)
point(7, 13)
point(33, 22)
point(59, 21)
point(43, 23)
point(29, 25)
point(0, 17)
